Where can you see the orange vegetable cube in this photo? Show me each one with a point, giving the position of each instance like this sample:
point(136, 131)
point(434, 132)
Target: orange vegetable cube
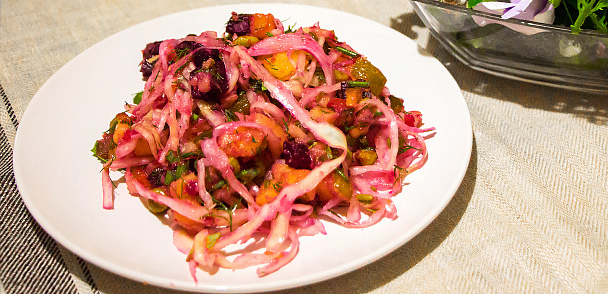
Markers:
point(323, 114)
point(353, 96)
point(184, 187)
point(242, 142)
point(142, 148)
point(119, 132)
point(260, 25)
point(268, 191)
point(334, 185)
point(279, 65)
point(283, 175)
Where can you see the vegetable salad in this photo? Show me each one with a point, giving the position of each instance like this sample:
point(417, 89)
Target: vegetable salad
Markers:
point(260, 132)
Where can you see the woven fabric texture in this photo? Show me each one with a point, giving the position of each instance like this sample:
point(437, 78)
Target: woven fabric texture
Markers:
point(531, 215)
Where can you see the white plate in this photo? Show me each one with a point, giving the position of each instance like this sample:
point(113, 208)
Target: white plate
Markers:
point(60, 181)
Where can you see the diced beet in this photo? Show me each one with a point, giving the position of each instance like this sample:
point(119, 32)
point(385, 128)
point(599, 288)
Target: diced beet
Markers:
point(296, 155)
point(157, 177)
point(151, 49)
point(413, 118)
point(191, 187)
point(187, 46)
point(146, 69)
point(219, 80)
point(238, 24)
point(203, 54)
point(146, 66)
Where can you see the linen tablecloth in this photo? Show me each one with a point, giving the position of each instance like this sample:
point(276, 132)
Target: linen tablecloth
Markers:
point(531, 214)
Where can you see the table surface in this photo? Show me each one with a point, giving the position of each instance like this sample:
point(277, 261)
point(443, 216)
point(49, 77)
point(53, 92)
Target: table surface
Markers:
point(531, 214)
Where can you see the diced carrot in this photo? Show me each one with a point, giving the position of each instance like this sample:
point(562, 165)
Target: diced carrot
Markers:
point(268, 191)
point(260, 25)
point(323, 114)
point(242, 142)
point(142, 148)
point(119, 132)
point(353, 96)
point(270, 123)
point(184, 187)
point(283, 175)
point(141, 176)
point(334, 185)
point(289, 176)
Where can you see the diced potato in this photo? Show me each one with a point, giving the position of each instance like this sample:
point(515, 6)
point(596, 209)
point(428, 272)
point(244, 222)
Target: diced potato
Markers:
point(279, 65)
point(120, 118)
point(283, 66)
point(358, 131)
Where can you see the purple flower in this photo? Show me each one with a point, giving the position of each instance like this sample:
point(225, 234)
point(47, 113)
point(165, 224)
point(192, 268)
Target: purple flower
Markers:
point(531, 10)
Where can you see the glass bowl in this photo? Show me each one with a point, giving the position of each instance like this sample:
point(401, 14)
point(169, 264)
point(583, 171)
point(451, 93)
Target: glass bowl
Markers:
point(517, 49)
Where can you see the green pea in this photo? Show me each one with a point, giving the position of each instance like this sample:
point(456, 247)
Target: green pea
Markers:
point(365, 198)
point(156, 207)
point(246, 41)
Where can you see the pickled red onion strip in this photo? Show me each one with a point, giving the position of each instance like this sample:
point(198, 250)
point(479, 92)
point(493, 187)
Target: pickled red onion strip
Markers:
point(284, 259)
point(271, 109)
point(278, 231)
point(108, 189)
point(185, 208)
point(127, 146)
point(129, 161)
point(218, 159)
point(202, 191)
point(295, 41)
point(150, 137)
point(243, 232)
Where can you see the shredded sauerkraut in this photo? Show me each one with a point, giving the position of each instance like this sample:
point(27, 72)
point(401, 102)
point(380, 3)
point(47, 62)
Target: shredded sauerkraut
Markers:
point(261, 133)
